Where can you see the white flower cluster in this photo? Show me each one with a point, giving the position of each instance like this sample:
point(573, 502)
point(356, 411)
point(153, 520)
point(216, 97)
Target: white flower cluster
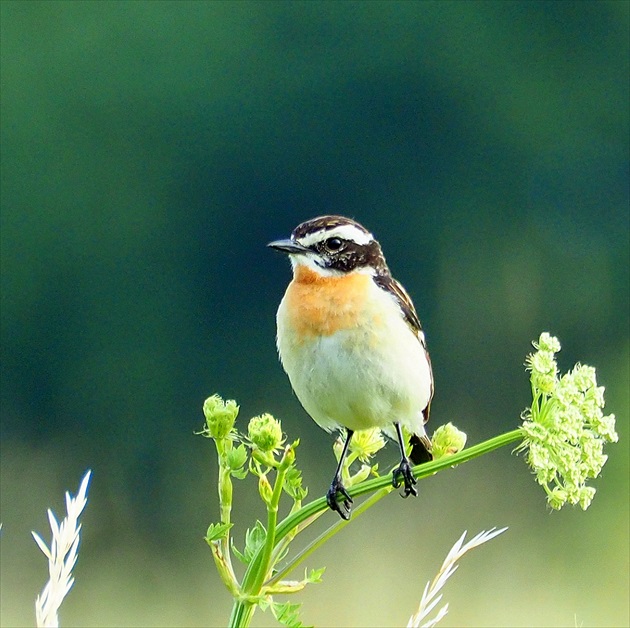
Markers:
point(565, 428)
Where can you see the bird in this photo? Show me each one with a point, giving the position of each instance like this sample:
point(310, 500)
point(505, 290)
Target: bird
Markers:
point(351, 343)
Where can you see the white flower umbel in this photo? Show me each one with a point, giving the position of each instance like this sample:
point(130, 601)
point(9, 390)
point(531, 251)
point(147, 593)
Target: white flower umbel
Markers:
point(430, 598)
point(565, 428)
point(62, 555)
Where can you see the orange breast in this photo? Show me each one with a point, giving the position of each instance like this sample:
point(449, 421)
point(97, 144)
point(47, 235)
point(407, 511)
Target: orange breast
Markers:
point(320, 306)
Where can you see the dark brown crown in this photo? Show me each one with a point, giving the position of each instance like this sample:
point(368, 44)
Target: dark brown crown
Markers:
point(325, 223)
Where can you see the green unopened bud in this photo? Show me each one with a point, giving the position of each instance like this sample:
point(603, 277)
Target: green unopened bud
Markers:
point(288, 457)
point(264, 488)
point(586, 494)
point(557, 497)
point(544, 370)
point(265, 432)
point(447, 440)
point(220, 417)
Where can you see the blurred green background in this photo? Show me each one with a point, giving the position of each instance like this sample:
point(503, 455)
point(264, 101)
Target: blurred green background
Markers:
point(150, 150)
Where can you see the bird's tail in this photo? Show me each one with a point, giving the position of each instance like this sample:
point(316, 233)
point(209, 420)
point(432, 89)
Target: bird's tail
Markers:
point(420, 449)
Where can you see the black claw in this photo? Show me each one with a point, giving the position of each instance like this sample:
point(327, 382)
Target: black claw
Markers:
point(403, 471)
point(345, 506)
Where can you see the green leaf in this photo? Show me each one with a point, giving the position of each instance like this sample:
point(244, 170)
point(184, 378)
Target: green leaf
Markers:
point(293, 484)
point(254, 539)
point(287, 614)
point(217, 531)
point(314, 575)
point(238, 554)
point(239, 474)
point(236, 459)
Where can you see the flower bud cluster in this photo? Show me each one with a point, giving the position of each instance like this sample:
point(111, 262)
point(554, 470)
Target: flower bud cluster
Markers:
point(265, 433)
point(220, 417)
point(565, 429)
point(447, 440)
point(365, 443)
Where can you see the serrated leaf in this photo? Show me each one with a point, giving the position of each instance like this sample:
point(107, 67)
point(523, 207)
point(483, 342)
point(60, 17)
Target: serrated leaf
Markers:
point(217, 531)
point(238, 554)
point(293, 484)
point(315, 575)
point(239, 474)
point(287, 614)
point(254, 539)
point(236, 458)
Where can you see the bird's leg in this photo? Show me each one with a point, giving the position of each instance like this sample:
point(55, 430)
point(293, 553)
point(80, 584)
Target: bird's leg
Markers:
point(337, 487)
point(403, 470)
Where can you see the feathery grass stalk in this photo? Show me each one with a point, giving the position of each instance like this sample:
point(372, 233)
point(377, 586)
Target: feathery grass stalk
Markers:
point(62, 556)
point(430, 598)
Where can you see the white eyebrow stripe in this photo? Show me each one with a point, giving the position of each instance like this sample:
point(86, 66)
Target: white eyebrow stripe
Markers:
point(345, 232)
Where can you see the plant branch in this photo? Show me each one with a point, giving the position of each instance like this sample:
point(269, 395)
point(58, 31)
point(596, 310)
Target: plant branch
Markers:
point(420, 471)
point(339, 525)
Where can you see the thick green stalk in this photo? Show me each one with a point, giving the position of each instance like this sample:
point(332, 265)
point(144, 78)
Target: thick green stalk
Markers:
point(243, 609)
point(270, 539)
point(478, 450)
point(260, 566)
point(336, 527)
point(225, 504)
point(242, 613)
point(420, 471)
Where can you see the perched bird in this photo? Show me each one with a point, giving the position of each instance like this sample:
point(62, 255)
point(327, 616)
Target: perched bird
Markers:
point(351, 343)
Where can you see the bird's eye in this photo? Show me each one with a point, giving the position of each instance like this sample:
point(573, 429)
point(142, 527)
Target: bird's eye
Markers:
point(333, 244)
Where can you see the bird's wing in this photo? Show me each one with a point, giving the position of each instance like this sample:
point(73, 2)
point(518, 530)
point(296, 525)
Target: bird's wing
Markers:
point(395, 289)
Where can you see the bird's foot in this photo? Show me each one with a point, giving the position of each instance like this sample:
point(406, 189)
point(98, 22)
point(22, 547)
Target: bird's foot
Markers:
point(403, 472)
point(345, 506)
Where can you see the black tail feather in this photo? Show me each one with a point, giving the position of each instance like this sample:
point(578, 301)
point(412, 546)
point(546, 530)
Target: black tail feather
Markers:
point(420, 449)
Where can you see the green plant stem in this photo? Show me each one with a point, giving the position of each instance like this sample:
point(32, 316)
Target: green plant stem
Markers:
point(420, 471)
point(336, 527)
point(368, 503)
point(225, 506)
point(243, 609)
point(242, 613)
point(270, 539)
point(282, 545)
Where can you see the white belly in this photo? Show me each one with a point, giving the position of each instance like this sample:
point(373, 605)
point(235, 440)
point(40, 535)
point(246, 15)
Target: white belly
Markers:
point(371, 375)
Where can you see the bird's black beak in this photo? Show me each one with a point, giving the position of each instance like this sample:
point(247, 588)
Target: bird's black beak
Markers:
point(289, 246)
